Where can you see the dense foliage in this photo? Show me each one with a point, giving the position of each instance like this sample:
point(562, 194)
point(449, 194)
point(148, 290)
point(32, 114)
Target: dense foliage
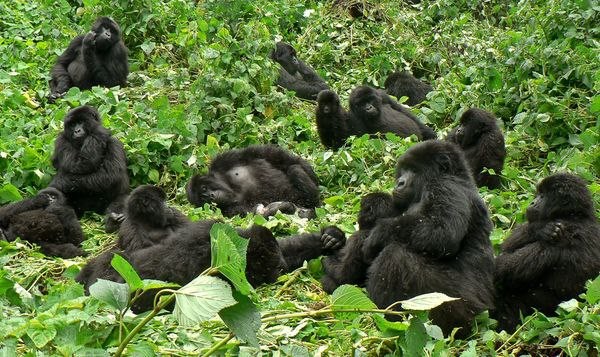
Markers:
point(201, 82)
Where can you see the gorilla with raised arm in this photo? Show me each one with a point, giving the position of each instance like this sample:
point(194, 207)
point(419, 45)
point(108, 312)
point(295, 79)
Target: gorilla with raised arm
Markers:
point(433, 238)
point(261, 179)
point(482, 141)
point(97, 58)
point(91, 167)
point(334, 123)
point(548, 259)
point(296, 75)
point(45, 220)
point(404, 84)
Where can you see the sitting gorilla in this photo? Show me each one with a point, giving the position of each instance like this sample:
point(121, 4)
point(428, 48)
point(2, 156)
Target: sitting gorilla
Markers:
point(261, 179)
point(548, 259)
point(334, 123)
point(430, 235)
point(404, 84)
point(98, 58)
point(381, 114)
point(483, 143)
point(45, 220)
point(91, 165)
point(296, 75)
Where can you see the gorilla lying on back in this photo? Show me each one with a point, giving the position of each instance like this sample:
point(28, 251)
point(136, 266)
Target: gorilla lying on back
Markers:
point(45, 220)
point(261, 179)
point(91, 166)
point(404, 84)
point(296, 75)
point(178, 251)
point(430, 235)
point(483, 144)
point(98, 58)
point(548, 259)
point(371, 111)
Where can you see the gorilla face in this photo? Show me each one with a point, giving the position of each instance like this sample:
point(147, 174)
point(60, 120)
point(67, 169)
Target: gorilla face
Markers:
point(407, 188)
point(285, 55)
point(107, 33)
point(328, 102)
point(212, 188)
point(53, 195)
point(365, 103)
point(79, 123)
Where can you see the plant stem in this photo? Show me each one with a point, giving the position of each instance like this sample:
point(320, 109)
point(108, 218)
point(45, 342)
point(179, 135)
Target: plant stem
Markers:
point(330, 311)
point(218, 345)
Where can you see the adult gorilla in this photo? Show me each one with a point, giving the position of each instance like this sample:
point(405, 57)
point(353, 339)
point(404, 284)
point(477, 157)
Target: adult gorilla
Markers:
point(261, 179)
point(91, 165)
point(98, 58)
point(404, 84)
point(430, 235)
point(548, 259)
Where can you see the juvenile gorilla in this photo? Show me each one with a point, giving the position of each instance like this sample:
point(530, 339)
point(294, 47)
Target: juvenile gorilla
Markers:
point(381, 114)
point(296, 75)
point(98, 58)
point(432, 236)
point(548, 259)
point(91, 165)
point(483, 144)
point(404, 84)
point(261, 179)
point(45, 220)
point(334, 123)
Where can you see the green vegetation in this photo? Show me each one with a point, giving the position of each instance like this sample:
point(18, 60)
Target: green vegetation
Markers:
point(201, 82)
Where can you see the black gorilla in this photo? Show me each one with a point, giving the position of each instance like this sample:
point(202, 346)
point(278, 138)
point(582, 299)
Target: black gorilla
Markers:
point(98, 58)
point(548, 259)
point(404, 84)
point(45, 220)
point(91, 165)
point(260, 179)
point(381, 114)
point(483, 143)
point(430, 235)
point(334, 123)
point(296, 75)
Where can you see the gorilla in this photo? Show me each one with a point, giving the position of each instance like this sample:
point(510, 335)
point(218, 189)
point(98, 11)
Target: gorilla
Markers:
point(45, 220)
point(98, 58)
point(404, 84)
point(430, 235)
point(261, 179)
point(483, 144)
point(296, 75)
point(91, 165)
point(381, 114)
point(548, 259)
point(334, 123)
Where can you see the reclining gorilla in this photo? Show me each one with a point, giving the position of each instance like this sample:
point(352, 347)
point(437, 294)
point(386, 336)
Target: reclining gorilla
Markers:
point(91, 168)
point(98, 58)
point(371, 111)
point(45, 220)
point(548, 259)
point(296, 75)
point(178, 250)
point(404, 84)
point(430, 235)
point(261, 179)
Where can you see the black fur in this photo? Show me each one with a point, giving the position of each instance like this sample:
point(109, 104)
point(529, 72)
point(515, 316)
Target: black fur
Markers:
point(480, 137)
point(90, 163)
point(381, 114)
point(404, 84)
point(259, 179)
point(45, 220)
point(334, 123)
point(548, 259)
point(436, 241)
point(296, 75)
point(98, 58)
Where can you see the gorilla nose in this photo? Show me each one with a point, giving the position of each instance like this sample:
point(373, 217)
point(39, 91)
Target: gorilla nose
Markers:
point(326, 110)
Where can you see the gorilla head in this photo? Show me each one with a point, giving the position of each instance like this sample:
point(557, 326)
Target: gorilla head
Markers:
point(328, 102)
point(107, 33)
point(285, 55)
point(81, 122)
point(147, 203)
point(366, 103)
point(473, 123)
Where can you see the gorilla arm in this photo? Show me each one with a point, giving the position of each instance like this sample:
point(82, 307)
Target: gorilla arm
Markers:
point(298, 248)
point(61, 80)
point(110, 172)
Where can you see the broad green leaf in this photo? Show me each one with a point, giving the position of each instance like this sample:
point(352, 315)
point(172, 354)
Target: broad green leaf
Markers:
point(9, 193)
point(114, 294)
point(592, 295)
point(243, 319)
point(39, 333)
point(125, 269)
point(228, 255)
point(350, 297)
point(202, 299)
point(426, 301)
point(416, 337)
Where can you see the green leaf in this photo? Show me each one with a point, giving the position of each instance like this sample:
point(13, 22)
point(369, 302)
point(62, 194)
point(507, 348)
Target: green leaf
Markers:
point(350, 297)
point(114, 294)
point(416, 337)
point(202, 299)
point(9, 193)
point(243, 319)
point(426, 301)
point(228, 255)
point(592, 294)
point(125, 269)
point(39, 333)
point(595, 105)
